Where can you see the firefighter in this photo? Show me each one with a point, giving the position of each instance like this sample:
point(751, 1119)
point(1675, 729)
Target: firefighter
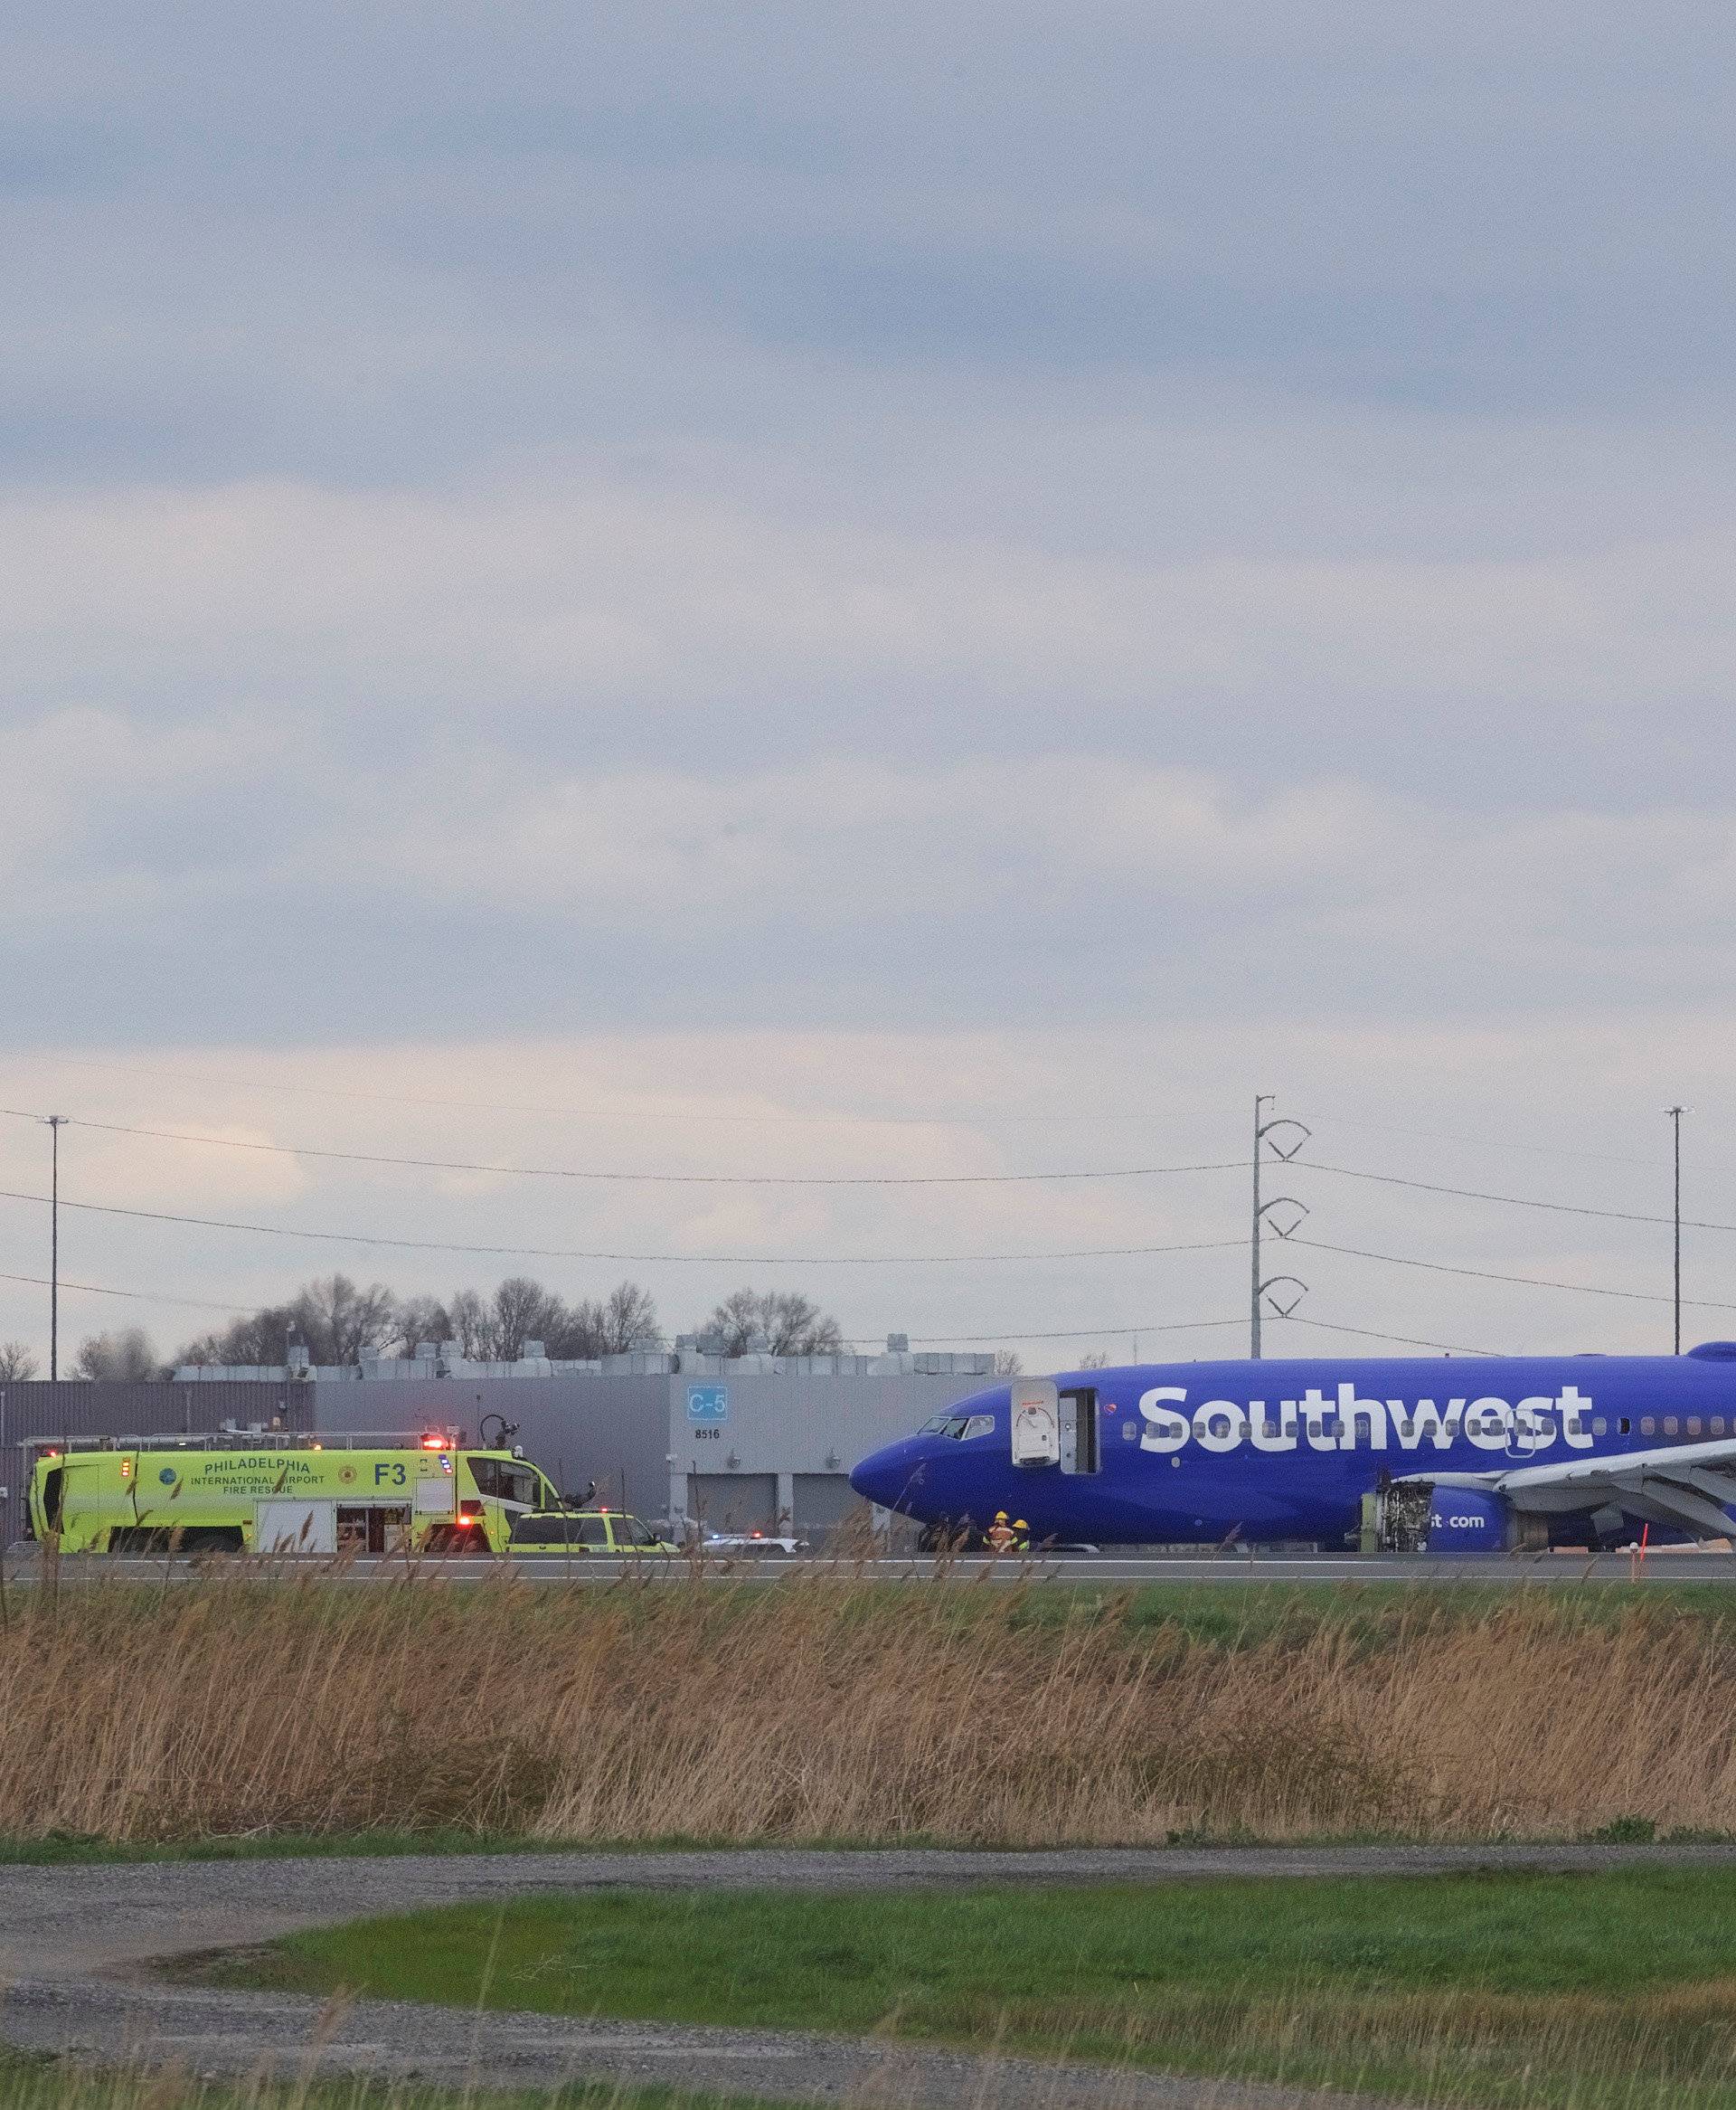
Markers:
point(999, 1535)
point(1021, 1536)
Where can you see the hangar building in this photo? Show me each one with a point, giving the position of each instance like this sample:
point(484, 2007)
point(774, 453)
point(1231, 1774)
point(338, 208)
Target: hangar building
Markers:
point(738, 1442)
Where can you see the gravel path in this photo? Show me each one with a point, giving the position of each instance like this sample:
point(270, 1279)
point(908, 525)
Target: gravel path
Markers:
point(77, 1945)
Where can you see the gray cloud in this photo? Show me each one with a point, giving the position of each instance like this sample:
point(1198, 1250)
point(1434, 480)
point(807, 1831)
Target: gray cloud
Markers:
point(877, 541)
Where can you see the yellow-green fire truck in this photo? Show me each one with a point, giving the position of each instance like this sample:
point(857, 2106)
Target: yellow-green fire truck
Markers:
point(282, 1494)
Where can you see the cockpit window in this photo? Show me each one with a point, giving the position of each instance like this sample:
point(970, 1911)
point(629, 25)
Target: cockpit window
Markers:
point(959, 1426)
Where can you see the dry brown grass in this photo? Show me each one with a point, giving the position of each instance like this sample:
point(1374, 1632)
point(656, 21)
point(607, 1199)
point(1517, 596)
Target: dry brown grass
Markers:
point(820, 1708)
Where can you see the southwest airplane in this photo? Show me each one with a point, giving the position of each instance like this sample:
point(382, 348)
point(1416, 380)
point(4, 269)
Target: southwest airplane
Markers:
point(1496, 1452)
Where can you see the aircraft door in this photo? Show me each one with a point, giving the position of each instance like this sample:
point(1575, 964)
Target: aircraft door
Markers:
point(1522, 1431)
point(1036, 1421)
point(1079, 1431)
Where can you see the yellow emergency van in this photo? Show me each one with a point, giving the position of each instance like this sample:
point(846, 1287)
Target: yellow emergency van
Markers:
point(588, 1532)
point(280, 1493)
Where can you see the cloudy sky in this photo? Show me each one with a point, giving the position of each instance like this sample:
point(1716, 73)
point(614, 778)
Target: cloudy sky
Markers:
point(893, 591)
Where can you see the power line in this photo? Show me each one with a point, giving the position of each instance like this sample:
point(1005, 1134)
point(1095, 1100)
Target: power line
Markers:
point(644, 1259)
point(1482, 1143)
point(1405, 1339)
point(1483, 1274)
point(631, 1178)
point(919, 1341)
point(137, 1296)
point(1517, 1201)
point(862, 1179)
point(1070, 1332)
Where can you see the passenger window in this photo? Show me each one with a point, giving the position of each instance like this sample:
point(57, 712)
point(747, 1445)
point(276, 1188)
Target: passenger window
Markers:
point(1647, 1426)
point(1669, 1425)
point(1693, 1424)
point(1627, 1427)
point(1717, 1424)
point(1599, 1426)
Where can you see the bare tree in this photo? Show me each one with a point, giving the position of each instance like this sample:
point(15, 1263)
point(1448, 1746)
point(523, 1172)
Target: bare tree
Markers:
point(420, 1319)
point(493, 1330)
point(783, 1321)
point(336, 1322)
point(340, 1322)
point(1007, 1363)
point(126, 1357)
point(17, 1365)
point(468, 1316)
point(1099, 1359)
point(626, 1319)
point(260, 1341)
point(521, 1309)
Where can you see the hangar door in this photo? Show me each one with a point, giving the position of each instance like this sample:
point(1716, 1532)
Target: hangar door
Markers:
point(733, 1501)
point(823, 1500)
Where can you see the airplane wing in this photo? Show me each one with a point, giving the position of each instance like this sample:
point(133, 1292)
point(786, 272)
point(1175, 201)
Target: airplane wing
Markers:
point(1689, 1487)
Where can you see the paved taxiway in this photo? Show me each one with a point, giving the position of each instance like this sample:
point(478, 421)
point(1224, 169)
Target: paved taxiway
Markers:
point(95, 1959)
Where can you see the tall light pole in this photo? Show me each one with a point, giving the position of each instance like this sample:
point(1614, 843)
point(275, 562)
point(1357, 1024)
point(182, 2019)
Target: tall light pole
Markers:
point(1676, 1114)
point(56, 1123)
point(1261, 1101)
point(1257, 1286)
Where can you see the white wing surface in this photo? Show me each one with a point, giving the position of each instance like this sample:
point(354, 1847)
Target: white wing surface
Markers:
point(1687, 1486)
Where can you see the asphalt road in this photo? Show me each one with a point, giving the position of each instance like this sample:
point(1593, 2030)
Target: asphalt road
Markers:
point(1553, 1570)
point(83, 1952)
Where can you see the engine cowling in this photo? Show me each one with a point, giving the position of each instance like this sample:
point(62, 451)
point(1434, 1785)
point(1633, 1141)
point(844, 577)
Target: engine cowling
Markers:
point(1463, 1520)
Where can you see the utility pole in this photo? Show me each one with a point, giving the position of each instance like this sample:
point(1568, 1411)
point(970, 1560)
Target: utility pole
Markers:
point(56, 1123)
point(1676, 1114)
point(1261, 1100)
point(1258, 1284)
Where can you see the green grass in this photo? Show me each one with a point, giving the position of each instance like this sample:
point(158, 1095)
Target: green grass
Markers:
point(1594, 1990)
point(37, 2081)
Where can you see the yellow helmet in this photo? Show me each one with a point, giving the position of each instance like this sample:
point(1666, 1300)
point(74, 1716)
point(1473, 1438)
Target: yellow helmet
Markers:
point(1000, 1516)
point(1020, 1525)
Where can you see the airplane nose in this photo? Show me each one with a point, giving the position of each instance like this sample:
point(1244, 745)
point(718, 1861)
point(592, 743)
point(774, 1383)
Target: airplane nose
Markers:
point(883, 1475)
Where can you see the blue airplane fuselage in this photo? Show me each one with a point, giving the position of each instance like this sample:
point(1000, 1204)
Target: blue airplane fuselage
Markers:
point(1200, 1453)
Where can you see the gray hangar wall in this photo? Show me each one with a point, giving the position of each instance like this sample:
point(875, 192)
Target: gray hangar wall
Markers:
point(782, 1447)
